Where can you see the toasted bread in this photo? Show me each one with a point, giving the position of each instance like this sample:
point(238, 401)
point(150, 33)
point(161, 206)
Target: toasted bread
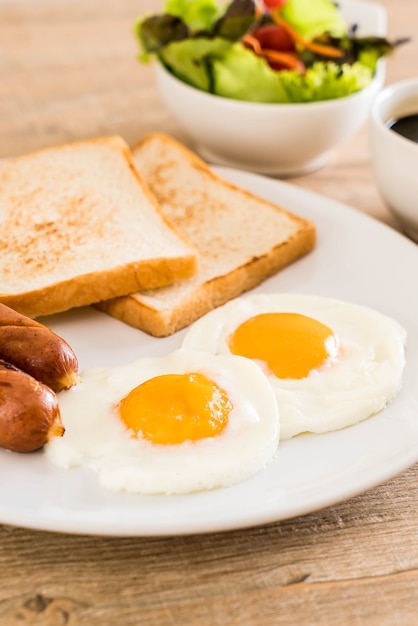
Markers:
point(79, 225)
point(241, 238)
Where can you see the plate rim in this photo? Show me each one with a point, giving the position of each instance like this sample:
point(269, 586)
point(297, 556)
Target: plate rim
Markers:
point(88, 524)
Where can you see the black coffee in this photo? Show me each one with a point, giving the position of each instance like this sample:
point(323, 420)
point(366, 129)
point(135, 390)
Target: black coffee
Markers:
point(407, 127)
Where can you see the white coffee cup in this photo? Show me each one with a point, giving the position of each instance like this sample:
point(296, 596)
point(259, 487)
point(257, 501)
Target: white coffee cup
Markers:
point(394, 157)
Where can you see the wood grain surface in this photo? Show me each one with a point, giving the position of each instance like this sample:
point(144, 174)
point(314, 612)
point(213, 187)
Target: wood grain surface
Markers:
point(68, 70)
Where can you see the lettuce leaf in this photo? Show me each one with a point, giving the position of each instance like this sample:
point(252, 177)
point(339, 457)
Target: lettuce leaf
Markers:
point(199, 42)
point(312, 18)
point(239, 16)
point(241, 75)
point(197, 14)
point(326, 81)
point(157, 31)
point(191, 60)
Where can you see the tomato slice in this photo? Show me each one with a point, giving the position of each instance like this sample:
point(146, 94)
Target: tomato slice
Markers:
point(274, 4)
point(274, 37)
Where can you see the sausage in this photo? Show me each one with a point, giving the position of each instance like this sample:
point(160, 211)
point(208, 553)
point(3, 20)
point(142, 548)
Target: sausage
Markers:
point(29, 411)
point(35, 349)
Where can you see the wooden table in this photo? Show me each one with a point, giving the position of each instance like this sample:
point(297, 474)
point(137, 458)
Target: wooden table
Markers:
point(68, 70)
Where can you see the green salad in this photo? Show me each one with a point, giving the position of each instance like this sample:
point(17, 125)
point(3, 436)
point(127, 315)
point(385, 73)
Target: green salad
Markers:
point(262, 51)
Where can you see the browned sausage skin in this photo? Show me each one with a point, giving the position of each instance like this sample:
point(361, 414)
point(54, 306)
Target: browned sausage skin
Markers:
point(29, 412)
point(35, 349)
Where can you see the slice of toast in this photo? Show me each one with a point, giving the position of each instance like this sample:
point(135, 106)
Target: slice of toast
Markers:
point(241, 238)
point(79, 225)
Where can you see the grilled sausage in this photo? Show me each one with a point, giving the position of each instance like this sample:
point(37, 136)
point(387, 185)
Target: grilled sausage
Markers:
point(35, 349)
point(29, 412)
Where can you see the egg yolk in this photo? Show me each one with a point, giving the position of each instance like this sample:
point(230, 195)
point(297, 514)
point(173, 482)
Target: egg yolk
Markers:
point(290, 344)
point(173, 408)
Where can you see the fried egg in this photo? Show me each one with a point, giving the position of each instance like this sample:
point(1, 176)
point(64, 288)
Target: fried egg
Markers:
point(179, 423)
point(331, 363)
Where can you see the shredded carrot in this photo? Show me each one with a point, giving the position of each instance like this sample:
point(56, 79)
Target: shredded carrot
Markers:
point(253, 43)
point(285, 58)
point(321, 49)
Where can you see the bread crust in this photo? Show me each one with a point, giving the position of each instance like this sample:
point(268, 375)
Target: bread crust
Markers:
point(90, 288)
point(38, 250)
point(211, 294)
point(136, 309)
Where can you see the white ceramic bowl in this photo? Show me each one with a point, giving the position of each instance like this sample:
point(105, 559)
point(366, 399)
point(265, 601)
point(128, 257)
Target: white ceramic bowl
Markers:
point(395, 158)
point(277, 139)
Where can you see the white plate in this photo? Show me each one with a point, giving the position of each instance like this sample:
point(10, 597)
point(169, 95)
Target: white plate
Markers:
point(357, 259)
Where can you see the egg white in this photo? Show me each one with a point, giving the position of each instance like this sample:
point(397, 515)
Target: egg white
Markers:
point(96, 437)
point(358, 383)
